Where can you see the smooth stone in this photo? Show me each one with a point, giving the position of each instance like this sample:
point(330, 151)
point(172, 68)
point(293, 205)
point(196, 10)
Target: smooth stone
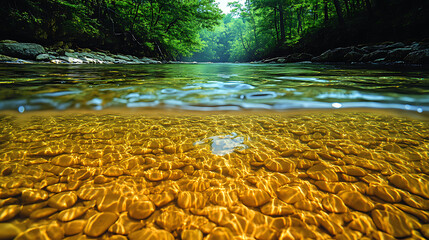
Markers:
point(291, 194)
point(354, 171)
point(65, 160)
point(362, 222)
point(33, 196)
point(162, 199)
point(356, 200)
point(254, 197)
point(191, 234)
point(42, 213)
point(276, 207)
point(416, 202)
point(9, 212)
point(28, 209)
point(392, 222)
point(280, 165)
point(74, 227)
point(151, 234)
point(388, 194)
point(171, 220)
point(424, 229)
point(49, 232)
point(220, 233)
point(224, 198)
point(334, 204)
point(331, 227)
point(323, 173)
point(141, 209)
point(423, 216)
point(72, 213)
point(125, 225)
point(113, 171)
point(411, 182)
point(191, 200)
point(99, 223)
point(9, 231)
point(62, 200)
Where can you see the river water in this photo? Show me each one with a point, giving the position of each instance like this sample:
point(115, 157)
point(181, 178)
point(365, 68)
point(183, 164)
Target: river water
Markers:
point(213, 151)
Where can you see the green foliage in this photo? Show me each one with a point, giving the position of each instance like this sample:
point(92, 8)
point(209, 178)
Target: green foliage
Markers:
point(167, 28)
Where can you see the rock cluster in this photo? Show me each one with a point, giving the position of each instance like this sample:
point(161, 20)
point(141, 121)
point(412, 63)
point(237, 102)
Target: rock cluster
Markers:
point(11, 51)
point(311, 176)
point(388, 53)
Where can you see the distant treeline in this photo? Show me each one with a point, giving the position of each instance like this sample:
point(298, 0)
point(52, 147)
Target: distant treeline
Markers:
point(267, 28)
point(162, 28)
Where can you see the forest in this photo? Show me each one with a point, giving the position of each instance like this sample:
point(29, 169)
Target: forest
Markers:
point(196, 30)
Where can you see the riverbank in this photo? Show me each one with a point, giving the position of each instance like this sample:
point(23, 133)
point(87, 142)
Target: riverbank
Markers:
point(15, 52)
point(392, 53)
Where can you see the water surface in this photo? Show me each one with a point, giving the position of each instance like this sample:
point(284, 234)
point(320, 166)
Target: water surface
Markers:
point(210, 87)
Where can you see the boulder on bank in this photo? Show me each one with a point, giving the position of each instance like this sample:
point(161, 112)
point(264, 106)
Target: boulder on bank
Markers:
point(418, 57)
point(21, 50)
point(335, 55)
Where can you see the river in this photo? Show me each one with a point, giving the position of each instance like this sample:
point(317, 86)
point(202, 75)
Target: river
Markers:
point(220, 151)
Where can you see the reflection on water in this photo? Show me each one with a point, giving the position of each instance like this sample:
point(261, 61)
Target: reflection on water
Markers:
point(343, 175)
point(209, 87)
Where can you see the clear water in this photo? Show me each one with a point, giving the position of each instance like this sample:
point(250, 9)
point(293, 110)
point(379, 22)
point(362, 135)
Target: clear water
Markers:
point(210, 87)
point(124, 159)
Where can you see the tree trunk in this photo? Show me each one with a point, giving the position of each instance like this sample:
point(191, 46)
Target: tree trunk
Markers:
point(276, 27)
point(282, 24)
point(325, 10)
point(339, 13)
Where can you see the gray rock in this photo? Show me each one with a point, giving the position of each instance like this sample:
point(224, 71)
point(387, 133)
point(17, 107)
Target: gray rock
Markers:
point(122, 57)
point(43, 57)
point(281, 60)
point(420, 56)
point(353, 56)
point(397, 54)
point(394, 45)
point(299, 57)
point(373, 56)
point(4, 58)
point(22, 50)
point(333, 55)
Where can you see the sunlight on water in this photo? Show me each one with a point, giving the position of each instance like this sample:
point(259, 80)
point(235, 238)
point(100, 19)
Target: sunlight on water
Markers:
point(314, 175)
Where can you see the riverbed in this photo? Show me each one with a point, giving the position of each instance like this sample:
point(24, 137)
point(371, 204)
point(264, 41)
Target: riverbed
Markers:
point(213, 151)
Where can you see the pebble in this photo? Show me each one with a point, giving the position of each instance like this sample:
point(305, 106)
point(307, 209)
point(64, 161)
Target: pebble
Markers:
point(280, 165)
point(411, 182)
point(99, 223)
point(224, 198)
point(141, 209)
point(392, 221)
point(52, 232)
point(193, 234)
point(254, 197)
point(125, 225)
point(42, 213)
point(171, 220)
point(9, 212)
point(33, 196)
point(291, 194)
point(220, 233)
point(334, 204)
point(65, 160)
point(356, 200)
point(9, 231)
point(62, 200)
point(187, 199)
point(276, 207)
point(162, 199)
point(388, 194)
point(424, 229)
point(72, 213)
point(354, 171)
point(74, 227)
point(323, 173)
point(150, 234)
